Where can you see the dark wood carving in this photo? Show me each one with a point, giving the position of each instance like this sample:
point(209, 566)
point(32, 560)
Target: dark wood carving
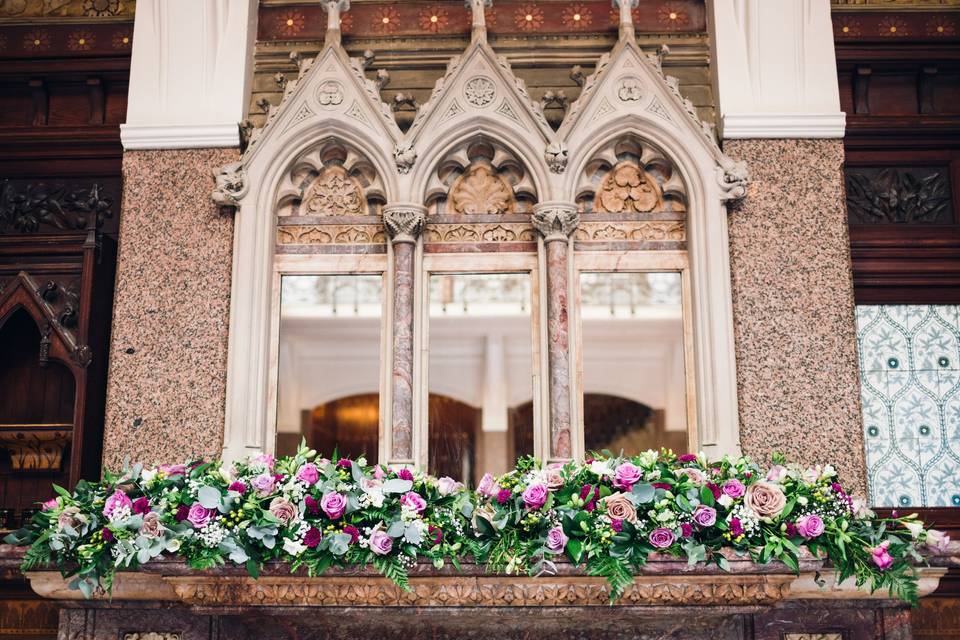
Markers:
point(898, 195)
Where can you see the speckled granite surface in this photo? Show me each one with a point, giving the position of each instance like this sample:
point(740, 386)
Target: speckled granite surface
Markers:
point(167, 380)
point(793, 307)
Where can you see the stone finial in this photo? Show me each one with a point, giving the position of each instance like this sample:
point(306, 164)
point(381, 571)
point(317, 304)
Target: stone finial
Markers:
point(478, 28)
point(626, 18)
point(555, 220)
point(334, 9)
point(404, 222)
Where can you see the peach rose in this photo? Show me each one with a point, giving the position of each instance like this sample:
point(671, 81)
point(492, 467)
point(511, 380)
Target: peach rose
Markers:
point(70, 517)
point(553, 478)
point(151, 525)
point(283, 510)
point(765, 499)
point(619, 507)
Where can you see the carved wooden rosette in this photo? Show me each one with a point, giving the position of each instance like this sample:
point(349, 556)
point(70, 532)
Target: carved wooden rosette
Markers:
point(404, 224)
point(556, 222)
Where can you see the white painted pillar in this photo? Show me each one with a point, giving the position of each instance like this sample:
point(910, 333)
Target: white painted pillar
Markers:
point(190, 73)
point(775, 69)
point(494, 411)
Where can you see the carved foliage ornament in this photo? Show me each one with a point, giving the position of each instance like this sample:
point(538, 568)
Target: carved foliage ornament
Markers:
point(404, 224)
point(479, 91)
point(335, 193)
point(627, 188)
point(555, 223)
point(481, 191)
point(26, 210)
point(896, 196)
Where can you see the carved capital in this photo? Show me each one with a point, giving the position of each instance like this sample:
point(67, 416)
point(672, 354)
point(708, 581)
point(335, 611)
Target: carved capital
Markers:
point(733, 177)
point(230, 185)
point(555, 220)
point(404, 222)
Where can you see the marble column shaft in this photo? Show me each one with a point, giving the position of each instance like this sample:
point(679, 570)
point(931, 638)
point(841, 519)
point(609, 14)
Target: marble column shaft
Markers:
point(403, 224)
point(556, 222)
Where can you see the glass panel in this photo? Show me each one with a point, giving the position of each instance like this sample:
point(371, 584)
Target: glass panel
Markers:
point(633, 362)
point(481, 373)
point(910, 394)
point(329, 365)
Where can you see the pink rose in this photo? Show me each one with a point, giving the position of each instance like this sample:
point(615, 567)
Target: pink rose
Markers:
point(661, 538)
point(308, 474)
point(266, 460)
point(174, 469)
point(626, 475)
point(199, 515)
point(264, 484)
point(535, 495)
point(553, 477)
point(333, 504)
point(556, 539)
point(619, 507)
point(487, 486)
point(705, 516)
point(380, 543)
point(151, 525)
point(734, 488)
point(448, 486)
point(882, 557)
point(70, 517)
point(694, 475)
point(810, 526)
point(50, 504)
point(413, 500)
point(116, 501)
point(283, 510)
point(765, 499)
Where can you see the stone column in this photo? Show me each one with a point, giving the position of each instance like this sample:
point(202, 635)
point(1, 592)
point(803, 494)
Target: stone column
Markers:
point(556, 221)
point(404, 224)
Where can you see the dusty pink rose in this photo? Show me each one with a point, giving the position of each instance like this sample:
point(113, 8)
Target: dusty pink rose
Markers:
point(380, 543)
point(116, 501)
point(70, 517)
point(333, 504)
point(283, 510)
point(556, 539)
point(619, 507)
point(810, 526)
point(733, 488)
point(705, 516)
point(765, 499)
point(881, 557)
point(413, 500)
point(626, 475)
point(264, 484)
point(308, 474)
point(448, 486)
point(662, 538)
point(487, 486)
point(694, 475)
point(552, 477)
point(535, 495)
point(199, 515)
point(937, 540)
point(151, 525)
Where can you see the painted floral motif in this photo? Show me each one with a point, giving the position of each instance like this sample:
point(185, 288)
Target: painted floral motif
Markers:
point(846, 27)
point(290, 23)
point(386, 20)
point(910, 394)
point(80, 41)
point(941, 27)
point(99, 8)
point(673, 16)
point(121, 40)
point(36, 40)
point(528, 17)
point(346, 22)
point(434, 18)
point(894, 27)
point(577, 16)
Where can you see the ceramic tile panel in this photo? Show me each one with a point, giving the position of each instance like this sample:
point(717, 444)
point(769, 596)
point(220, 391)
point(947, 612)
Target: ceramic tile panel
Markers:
point(910, 395)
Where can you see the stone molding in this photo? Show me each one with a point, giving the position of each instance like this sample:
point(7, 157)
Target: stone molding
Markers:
point(555, 220)
point(783, 125)
point(179, 136)
point(404, 222)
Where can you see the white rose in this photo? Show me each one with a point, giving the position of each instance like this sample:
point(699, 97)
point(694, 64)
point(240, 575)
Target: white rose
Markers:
point(601, 468)
point(648, 458)
point(174, 545)
point(803, 500)
point(725, 501)
point(147, 475)
point(293, 547)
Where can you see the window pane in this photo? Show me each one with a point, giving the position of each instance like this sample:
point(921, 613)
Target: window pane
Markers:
point(910, 394)
point(329, 365)
point(633, 362)
point(480, 377)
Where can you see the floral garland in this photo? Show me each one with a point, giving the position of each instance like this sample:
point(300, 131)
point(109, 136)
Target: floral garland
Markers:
point(607, 514)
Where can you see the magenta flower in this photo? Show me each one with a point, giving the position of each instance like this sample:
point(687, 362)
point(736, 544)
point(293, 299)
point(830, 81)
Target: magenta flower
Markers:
point(616, 525)
point(626, 475)
point(380, 543)
point(715, 490)
point(435, 533)
point(199, 515)
point(107, 534)
point(686, 530)
point(535, 495)
point(308, 474)
point(662, 538)
point(344, 463)
point(556, 539)
point(182, 512)
point(237, 486)
point(736, 527)
point(405, 474)
point(174, 469)
point(141, 505)
point(116, 501)
point(687, 457)
point(810, 526)
point(333, 504)
point(734, 488)
point(50, 504)
point(413, 500)
point(353, 532)
point(504, 495)
point(312, 538)
point(312, 508)
point(705, 516)
point(882, 557)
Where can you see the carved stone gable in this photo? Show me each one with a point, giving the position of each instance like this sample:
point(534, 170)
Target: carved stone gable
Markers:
point(335, 193)
point(480, 190)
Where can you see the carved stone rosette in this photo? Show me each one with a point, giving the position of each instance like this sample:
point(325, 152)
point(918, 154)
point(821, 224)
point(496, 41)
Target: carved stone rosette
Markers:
point(556, 221)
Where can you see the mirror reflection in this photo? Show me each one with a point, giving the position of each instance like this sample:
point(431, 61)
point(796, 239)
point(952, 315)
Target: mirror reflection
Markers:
point(634, 381)
point(480, 373)
point(328, 378)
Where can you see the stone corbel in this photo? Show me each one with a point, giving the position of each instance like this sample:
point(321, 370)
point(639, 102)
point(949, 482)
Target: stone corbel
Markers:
point(230, 186)
point(733, 176)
